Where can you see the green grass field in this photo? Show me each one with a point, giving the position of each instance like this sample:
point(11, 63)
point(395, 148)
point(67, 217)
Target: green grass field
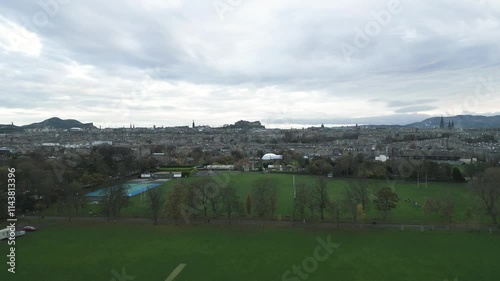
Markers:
point(405, 212)
point(91, 251)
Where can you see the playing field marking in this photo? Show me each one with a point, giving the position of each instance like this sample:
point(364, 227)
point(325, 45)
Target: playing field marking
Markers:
point(176, 272)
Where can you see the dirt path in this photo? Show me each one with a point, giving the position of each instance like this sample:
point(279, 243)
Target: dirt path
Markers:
point(422, 227)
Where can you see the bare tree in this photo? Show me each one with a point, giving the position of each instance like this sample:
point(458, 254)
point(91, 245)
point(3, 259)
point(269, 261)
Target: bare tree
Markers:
point(312, 201)
point(230, 200)
point(156, 200)
point(177, 202)
point(264, 196)
point(334, 207)
point(486, 186)
point(202, 193)
point(214, 199)
point(114, 200)
point(300, 202)
point(447, 208)
point(72, 199)
point(360, 188)
point(471, 219)
point(444, 206)
point(350, 204)
point(321, 192)
point(430, 206)
point(273, 197)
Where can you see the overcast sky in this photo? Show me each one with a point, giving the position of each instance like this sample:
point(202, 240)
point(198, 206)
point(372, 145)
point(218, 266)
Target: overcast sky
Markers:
point(287, 63)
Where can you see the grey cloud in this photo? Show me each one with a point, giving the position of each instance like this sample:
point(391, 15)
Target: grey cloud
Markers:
point(396, 119)
point(400, 103)
point(413, 109)
point(288, 46)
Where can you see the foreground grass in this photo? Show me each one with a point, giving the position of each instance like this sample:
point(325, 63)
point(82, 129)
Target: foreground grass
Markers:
point(85, 251)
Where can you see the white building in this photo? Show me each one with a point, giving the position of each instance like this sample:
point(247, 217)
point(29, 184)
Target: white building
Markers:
point(272, 156)
point(99, 143)
point(382, 158)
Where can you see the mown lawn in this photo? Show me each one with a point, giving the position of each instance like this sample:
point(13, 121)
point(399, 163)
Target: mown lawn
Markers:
point(91, 251)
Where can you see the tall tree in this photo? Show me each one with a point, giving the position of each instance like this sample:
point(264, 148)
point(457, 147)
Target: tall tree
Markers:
point(360, 190)
point(114, 200)
point(230, 200)
point(273, 197)
point(300, 202)
point(264, 196)
point(321, 192)
point(447, 207)
point(386, 200)
point(72, 199)
point(457, 175)
point(486, 186)
point(350, 204)
point(361, 215)
point(177, 202)
point(214, 199)
point(156, 202)
point(429, 206)
point(334, 207)
point(202, 193)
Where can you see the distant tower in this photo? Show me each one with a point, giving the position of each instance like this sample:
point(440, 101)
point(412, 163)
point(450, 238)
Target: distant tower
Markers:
point(441, 125)
point(322, 125)
point(193, 124)
point(452, 124)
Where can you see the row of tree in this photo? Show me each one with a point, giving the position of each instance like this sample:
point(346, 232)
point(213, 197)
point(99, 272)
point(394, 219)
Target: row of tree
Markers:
point(41, 183)
point(206, 199)
point(354, 202)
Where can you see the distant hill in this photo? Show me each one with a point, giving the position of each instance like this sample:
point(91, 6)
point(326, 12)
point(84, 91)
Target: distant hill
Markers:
point(5, 129)
point(247, 125)
point(460, 121)
point(55, 123)
point(58, 123)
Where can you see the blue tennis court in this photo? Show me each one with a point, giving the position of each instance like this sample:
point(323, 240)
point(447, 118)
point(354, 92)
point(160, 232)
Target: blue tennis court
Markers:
point(132, 189)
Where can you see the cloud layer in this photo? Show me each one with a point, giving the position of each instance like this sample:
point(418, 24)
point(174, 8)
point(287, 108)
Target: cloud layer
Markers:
point(291, 63)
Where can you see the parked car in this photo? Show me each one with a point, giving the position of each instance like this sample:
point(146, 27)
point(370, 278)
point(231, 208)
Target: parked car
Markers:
point(29, 228)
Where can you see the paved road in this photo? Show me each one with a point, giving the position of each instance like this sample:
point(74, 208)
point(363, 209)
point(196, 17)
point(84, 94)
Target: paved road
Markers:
point(55, 220)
